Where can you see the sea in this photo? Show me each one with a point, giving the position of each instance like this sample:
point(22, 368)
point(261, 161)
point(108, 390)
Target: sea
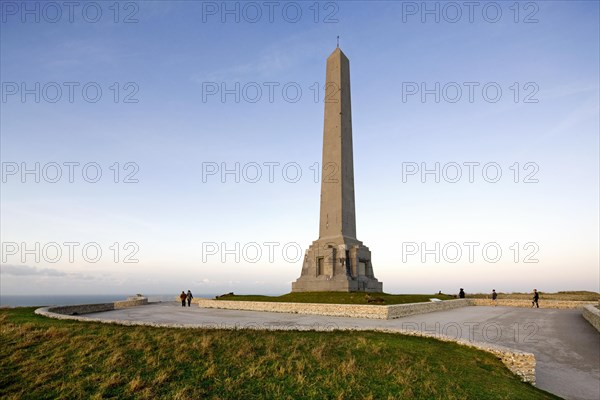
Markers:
point(65, 300)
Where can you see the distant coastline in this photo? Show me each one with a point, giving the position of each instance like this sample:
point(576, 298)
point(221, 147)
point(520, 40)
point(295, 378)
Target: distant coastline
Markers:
point(64, 300)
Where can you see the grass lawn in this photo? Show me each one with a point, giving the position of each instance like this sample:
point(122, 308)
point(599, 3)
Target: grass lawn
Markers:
point(42, 358)
point(339, 298)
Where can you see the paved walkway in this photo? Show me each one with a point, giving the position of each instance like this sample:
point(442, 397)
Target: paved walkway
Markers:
point(566, 347)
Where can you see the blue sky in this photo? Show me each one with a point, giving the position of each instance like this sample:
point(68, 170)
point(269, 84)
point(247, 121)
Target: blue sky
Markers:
point(176, 50)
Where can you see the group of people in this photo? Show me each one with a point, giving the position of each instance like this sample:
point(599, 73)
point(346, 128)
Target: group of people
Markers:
point(534, 300)
point(186, 297)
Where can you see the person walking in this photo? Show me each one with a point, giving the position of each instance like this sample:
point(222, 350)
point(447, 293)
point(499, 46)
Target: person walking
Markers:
point(189, 297)
point(494, 297)
point(461, 294)
point(182, 297)
point(536, 297)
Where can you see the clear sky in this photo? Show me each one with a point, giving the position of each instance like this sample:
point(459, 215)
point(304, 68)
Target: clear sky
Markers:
point(517, 92)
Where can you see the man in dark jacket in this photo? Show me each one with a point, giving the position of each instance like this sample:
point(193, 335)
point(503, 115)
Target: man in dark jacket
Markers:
point(461, 294)
point(536, 297)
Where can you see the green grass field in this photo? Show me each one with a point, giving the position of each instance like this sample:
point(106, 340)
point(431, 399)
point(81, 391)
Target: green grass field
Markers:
point(339, 298)
point(42, 358)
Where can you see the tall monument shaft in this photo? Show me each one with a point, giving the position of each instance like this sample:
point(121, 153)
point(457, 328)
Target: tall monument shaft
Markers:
point(337, 175)
point(337, 261)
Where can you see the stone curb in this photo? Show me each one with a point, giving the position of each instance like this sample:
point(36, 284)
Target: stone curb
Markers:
point(518, 362)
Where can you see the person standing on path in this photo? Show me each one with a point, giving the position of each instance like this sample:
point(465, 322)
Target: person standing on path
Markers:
point(182, 297)
point(494, 297)
point(461, 294)
point(536, 297)
point(189, 297)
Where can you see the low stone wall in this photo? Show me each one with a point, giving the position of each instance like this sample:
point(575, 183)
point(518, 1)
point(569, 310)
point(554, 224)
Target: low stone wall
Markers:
point(131, 302)
point(378, 311)
point(333, 310)
point(82, 309)
point(336, 310)
point(592, 314)
point(559, 304)
point(404, 310)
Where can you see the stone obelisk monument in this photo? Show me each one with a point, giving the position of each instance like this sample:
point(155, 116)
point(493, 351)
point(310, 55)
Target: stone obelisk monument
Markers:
point(337, 261)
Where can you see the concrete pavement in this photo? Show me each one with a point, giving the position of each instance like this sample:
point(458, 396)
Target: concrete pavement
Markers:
point(566, 347)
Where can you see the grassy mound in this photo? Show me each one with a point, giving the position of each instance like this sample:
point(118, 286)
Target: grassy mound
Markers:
point(340, 298)
point(579, 295)
point(44, 358)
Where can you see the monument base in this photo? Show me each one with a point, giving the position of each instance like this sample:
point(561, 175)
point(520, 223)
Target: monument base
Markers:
point(306, 284)
point(337, 265)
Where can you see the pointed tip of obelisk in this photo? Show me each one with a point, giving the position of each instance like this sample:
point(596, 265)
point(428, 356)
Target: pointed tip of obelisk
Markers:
point(337, 52)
